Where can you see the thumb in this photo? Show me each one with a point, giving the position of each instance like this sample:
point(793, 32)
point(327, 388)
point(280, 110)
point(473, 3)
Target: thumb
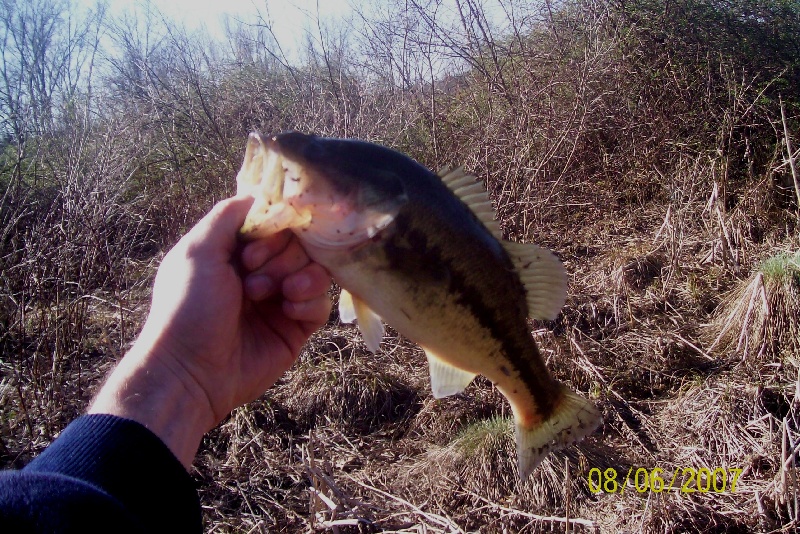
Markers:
point(218, 230)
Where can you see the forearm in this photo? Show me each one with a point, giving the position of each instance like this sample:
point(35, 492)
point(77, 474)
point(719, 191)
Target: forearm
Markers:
point(155, 391)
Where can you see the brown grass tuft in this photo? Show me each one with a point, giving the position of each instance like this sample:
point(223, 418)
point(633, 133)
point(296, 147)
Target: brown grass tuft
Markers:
point(638, 273)
point(439, 420)
point(760, 319)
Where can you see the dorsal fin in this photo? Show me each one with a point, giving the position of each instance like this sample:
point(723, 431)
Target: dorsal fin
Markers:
point(474, 195)
point(541, 272)
point(543, 276)
point(347, 308)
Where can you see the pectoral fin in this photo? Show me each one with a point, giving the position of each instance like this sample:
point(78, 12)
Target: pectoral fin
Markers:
point(446, 380)
point(369, 323)
point(347, 309)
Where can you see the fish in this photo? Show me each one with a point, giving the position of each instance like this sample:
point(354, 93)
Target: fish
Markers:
point(424, 253)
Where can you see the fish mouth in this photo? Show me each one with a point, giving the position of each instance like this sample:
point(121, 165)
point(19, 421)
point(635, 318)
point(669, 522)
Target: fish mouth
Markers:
point(266, 175)
point(261, 168)
point(299, 184)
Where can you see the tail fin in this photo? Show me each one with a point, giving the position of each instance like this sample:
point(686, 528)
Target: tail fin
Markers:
point(571, 421)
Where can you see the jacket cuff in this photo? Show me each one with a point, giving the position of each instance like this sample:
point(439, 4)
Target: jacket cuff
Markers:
point(132, 464)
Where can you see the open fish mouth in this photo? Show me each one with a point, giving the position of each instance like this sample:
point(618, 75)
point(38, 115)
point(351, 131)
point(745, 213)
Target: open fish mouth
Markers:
point(264, 175)
point(290, 177)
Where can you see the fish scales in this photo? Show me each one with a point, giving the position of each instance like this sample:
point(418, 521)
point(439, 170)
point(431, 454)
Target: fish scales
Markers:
point(482, 284)
point(423, 253)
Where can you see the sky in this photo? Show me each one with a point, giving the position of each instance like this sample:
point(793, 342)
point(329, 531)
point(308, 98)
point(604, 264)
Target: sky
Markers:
point(291, 17)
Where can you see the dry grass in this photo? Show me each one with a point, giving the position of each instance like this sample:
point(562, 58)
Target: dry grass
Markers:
point(353, 442)
point(632, 336)
point(340, 384)
point(760, 319)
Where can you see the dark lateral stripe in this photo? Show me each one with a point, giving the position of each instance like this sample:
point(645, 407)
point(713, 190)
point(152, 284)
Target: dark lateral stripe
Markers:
point(522, 354)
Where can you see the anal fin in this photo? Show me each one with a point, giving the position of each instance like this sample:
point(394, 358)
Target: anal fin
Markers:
point(369, 323)
point(446, 380)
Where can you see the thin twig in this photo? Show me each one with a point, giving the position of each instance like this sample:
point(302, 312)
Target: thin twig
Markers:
point(553, 519)
point(568, 494)
point(435, 518)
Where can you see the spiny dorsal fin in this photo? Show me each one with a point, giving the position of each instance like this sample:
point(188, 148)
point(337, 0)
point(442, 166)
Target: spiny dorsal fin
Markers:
point(369, 323)
point(446, 380)
point(474, 195)
point(544, 277)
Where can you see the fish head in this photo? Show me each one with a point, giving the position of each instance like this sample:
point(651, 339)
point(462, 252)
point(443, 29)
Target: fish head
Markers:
point(332, 193)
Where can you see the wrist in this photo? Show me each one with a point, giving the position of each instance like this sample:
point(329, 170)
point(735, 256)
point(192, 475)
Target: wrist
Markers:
point(152, 388)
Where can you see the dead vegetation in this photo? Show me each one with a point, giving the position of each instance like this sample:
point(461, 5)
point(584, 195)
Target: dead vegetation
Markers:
point(758, 320)
point(644, 142)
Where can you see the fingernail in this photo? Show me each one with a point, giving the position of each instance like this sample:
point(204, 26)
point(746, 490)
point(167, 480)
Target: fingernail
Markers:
point(259, 286)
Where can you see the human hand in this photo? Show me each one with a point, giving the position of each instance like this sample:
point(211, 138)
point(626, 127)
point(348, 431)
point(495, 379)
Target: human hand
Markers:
point(235, 337)
point(224, 325)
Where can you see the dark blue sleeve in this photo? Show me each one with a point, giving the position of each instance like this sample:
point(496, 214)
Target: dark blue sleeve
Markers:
point(102, 474)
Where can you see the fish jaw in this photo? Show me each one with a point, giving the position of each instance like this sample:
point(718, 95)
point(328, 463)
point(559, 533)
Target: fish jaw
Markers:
point(262, 176)
point(292, 191)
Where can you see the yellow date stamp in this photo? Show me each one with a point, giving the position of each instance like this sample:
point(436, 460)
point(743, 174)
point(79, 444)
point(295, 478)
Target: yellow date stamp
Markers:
point(656, 480)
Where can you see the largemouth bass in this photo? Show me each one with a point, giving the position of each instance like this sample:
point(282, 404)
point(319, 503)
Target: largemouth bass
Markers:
point(424, 253)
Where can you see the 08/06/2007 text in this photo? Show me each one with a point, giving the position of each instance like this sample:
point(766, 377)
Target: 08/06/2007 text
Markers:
point(683, 479)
